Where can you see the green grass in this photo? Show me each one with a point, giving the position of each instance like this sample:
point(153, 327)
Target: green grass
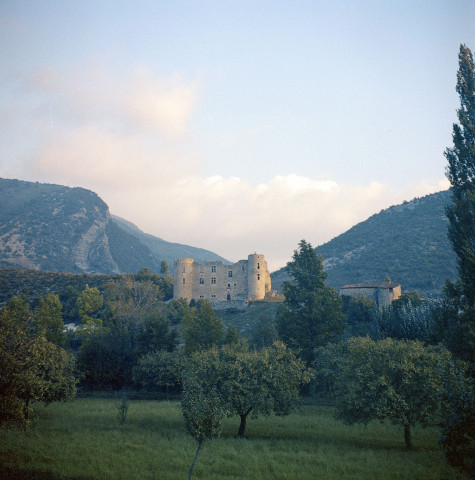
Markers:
point(82, 440)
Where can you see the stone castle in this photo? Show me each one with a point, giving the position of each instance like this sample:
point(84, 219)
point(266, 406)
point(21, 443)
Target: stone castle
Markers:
point(215, 281)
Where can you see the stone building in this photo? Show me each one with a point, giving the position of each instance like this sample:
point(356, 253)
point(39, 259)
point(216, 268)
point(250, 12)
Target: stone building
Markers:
point(215, 281)
point(381, 293)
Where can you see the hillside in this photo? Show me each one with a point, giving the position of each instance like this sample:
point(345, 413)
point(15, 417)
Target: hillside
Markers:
point(62, 229)
point(406, 242)
point(166, 250)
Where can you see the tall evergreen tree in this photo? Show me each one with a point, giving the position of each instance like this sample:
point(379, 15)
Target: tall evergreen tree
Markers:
point(461, 212)
point(461, 173)
point(311, 315)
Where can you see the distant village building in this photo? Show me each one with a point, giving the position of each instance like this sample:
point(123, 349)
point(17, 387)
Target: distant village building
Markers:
point(215, 281)
point(381, 293)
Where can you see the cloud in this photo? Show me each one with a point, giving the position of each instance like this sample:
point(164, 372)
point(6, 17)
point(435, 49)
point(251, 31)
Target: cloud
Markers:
point(138, 103)
point(234, 218)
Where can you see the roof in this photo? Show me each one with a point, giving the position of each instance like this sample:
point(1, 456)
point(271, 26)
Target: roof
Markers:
point(373, 285)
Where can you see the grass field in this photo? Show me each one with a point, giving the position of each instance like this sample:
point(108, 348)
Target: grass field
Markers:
point(82, 440)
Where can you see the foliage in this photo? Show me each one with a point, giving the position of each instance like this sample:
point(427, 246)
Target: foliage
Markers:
point(360, 313)
point(461, 212)
point(461, 174)
point(327, 366)
point(123, 407)
point(159, 370)
point(89, 303)
point(458, 419)
point(50, 319)
point(203, 412)
point(406, 320)
point(156, 333)
point(201, 328)
point(454, 324)
point(31, 367)
point(136, 322)
point(106, 360)
point(390, 379)
point(264, 332)
point(250, 382)
point(311, 313)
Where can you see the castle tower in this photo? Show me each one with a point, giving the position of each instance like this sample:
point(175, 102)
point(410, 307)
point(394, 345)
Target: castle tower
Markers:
point(258, 278)
point(183, 278)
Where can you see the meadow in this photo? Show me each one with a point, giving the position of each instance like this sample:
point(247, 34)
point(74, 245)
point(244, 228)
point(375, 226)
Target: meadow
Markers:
point(84, 440)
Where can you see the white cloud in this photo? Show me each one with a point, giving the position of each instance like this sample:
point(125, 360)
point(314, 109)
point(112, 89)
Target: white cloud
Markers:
point(234, 218)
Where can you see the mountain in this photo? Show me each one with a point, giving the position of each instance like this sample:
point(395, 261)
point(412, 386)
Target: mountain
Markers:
point(63, 229)
point(166, 250)
point(406, 242)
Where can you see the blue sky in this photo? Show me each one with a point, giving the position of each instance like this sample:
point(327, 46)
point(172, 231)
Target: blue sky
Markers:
point(235, 126)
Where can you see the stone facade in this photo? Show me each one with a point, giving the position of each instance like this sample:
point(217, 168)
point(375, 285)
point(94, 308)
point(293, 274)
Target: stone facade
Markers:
point(381, 293)
point(215, 281)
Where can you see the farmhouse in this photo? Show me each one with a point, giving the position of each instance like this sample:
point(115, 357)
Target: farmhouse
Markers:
point(381, 293)
point(218, 282)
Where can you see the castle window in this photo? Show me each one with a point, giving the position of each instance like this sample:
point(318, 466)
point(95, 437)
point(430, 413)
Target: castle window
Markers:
point(202, 280)
point(213, 280)
point(229, 285)
point(213, 269)
point(184, 281)
point(230, 274)
point(235, 285)
point(213, 296)
point(258, 266)
point(258, 276)
point(184, 269)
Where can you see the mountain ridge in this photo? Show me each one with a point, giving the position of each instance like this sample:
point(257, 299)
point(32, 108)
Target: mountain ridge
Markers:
point(57, 228)
point(406, 242)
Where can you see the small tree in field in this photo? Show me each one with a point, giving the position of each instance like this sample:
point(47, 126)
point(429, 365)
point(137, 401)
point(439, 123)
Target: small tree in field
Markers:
point(389, 379)
point(250, 382)
point(31, 367)
point(203, 412)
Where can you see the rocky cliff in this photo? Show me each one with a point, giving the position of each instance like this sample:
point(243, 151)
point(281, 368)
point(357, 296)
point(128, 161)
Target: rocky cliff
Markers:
point(62, 229)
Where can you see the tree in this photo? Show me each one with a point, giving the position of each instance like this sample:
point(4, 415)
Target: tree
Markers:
point(201, 328)
point(461, 174)
point(458, 418)
point(461, 213)
point(389, 379)
point(31, 367)
point(264, 333)
point(164, 267)
point(159, 370)
point(50, 318)
point(203, 413)
point(155, 333)
point(360, 314)
point(89, 303)
point(311, 314)
point(407, 320)
point(250, 382)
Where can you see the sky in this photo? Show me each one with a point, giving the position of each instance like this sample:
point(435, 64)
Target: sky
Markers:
point(234, 126)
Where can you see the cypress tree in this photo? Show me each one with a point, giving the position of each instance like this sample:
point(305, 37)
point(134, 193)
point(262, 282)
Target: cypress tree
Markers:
point(461, 212)
point(461, 174)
